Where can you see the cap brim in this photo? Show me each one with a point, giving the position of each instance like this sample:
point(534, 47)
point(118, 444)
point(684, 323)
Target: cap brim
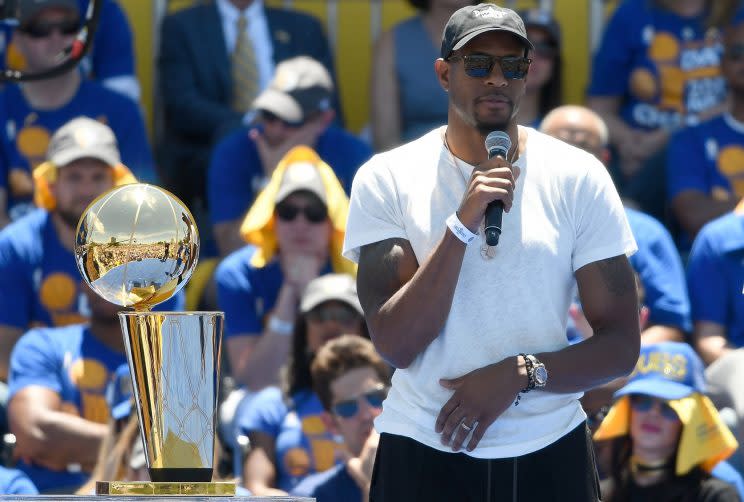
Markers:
point(313, 301)
point(663, 389)
point(467, 38)
point(280, 104)
point(63, 158)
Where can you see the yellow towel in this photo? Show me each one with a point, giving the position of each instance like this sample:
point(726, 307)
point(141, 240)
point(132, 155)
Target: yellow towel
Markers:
point(258, 226)
point(45, 175)
point(705, 439)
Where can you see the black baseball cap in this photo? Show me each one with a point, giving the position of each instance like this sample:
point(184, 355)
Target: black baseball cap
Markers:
point(473, 20)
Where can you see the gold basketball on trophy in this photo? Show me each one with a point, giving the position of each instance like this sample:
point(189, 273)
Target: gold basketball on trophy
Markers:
point(137, 245)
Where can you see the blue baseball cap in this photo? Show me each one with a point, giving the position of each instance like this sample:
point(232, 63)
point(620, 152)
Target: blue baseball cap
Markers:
point(119, 393)
point(667, 370)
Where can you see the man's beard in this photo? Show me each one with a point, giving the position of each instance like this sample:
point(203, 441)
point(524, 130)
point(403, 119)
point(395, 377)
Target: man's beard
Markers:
point(70, 218)
point(487, 126)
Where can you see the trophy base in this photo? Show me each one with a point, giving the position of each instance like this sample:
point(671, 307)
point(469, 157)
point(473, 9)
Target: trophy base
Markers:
point(180, 474)
point(175, 488)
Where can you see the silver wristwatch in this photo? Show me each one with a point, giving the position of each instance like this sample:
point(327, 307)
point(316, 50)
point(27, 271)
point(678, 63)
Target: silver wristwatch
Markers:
point(539, 372)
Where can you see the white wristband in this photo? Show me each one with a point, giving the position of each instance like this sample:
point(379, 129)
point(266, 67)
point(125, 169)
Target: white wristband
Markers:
point(284, 328)
point(459, 230)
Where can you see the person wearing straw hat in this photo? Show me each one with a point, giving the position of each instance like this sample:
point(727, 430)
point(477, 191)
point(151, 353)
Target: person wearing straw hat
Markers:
point(295, 232)
point(666, 434)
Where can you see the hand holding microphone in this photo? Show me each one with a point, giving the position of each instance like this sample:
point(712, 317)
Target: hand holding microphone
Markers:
point(490, 189)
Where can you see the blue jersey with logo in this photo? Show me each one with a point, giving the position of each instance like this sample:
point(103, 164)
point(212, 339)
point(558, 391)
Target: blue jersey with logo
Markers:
point(247, 293)
point(236, 174)
point(25, 133)
point(333, 485)
point(40, 284)
point(665, 68)
point(72, 362)
point(110, 55)
point(715, 275)
point(708, 158)
point(303, 444)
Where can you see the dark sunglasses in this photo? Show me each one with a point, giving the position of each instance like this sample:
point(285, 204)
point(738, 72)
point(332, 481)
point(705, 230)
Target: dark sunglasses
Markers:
point(735, 52)
point(314, 213)
point(342, 315)
point(350, 407)
point(267, 116)
point(42, 29)
point(644, 403)
point(480, 65)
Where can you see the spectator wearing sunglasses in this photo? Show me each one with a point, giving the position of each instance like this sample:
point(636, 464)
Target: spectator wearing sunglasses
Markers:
point(454, 313)
point(289, 439)
point(544, 83)
point(667, 439)
point(295, 230)
point(34, 111)
point(657, 70)
point(109, 61)
point(406, 99)
point(705, 171)
point(351, 380)
point(296, 109)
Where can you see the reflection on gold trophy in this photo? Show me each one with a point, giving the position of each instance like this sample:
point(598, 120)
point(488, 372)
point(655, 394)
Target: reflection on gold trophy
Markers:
point(136, 246)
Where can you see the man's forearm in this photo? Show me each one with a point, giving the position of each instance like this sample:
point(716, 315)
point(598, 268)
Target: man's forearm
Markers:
point(406, 323)
point(66, 439)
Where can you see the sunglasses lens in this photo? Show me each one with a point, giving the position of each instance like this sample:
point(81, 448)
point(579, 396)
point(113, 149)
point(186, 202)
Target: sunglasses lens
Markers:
point(316, 214)
point(645, 403)
point(346, 409)
point(514, 68)
point(477, 66)
point(42, 30)
point(287, 212)
point(375, 399)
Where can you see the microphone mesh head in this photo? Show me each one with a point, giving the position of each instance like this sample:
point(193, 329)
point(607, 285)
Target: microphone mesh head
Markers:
point(498, 141)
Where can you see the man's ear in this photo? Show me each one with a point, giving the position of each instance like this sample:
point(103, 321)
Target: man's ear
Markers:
point(329, 421)
point(442, 70)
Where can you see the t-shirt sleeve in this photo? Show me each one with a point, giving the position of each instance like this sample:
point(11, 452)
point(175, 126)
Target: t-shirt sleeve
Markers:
point(16, 288)
point(706, 281)
point(265, 413)
point(601, 226)
point(236, 296)
point(612, 62)
point(660, 270)
point(18, 484)
point(374, 211)
point(33, 362)
point(686, 163)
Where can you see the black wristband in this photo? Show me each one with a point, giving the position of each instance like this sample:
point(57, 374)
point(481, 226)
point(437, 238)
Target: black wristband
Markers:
point(530, 373)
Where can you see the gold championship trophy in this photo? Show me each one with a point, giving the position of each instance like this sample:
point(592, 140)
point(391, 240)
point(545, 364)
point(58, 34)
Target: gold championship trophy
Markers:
point(136, 246)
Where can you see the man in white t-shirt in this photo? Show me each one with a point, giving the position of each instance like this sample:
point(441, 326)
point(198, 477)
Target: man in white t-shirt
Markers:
point(484, 402)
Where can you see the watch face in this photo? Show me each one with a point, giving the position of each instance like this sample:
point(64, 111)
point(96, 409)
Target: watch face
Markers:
point(541, 375)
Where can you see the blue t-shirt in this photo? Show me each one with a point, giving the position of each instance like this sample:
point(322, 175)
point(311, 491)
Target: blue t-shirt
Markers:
point(725, 472)
point(75, 364)
point(25, 132)
point(715, 275)
point(40, 284)
point(236, 175)
point(333, 485)
point(659, 267)
point(110, 55)
point(303, 444)
point(665, 68)
point(246, 293)
point(15, 482)
point(708, 158)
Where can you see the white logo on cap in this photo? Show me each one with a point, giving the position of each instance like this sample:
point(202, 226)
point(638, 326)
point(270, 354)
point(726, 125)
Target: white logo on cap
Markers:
point(286, 80)
point(488, 12)
point(301, 172)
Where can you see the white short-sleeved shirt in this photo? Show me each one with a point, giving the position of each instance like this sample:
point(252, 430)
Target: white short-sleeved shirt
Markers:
point(566, 214)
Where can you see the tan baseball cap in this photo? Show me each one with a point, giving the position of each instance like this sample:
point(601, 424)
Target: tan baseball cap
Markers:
point(301, 176)
point(83, 137)
point(331, 287)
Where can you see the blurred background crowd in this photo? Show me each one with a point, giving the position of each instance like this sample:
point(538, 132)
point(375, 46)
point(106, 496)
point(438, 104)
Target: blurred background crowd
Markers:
point(257, 114)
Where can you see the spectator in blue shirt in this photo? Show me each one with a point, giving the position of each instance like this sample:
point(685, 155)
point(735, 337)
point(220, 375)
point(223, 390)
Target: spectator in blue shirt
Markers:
point(296, 109)
point(15, 482)
point(351, 380)
point(705, 166)
point(657, 261)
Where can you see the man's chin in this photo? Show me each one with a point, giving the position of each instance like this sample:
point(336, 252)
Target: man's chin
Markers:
point(69, 218)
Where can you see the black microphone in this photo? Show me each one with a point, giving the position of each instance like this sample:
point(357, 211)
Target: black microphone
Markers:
point(498, 144)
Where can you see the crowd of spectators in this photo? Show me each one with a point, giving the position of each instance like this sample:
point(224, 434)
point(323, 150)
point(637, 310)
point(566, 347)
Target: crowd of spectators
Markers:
point(253, 141)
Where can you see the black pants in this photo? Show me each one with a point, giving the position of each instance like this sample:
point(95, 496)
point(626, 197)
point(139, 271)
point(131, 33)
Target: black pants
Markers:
point(406, 470)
